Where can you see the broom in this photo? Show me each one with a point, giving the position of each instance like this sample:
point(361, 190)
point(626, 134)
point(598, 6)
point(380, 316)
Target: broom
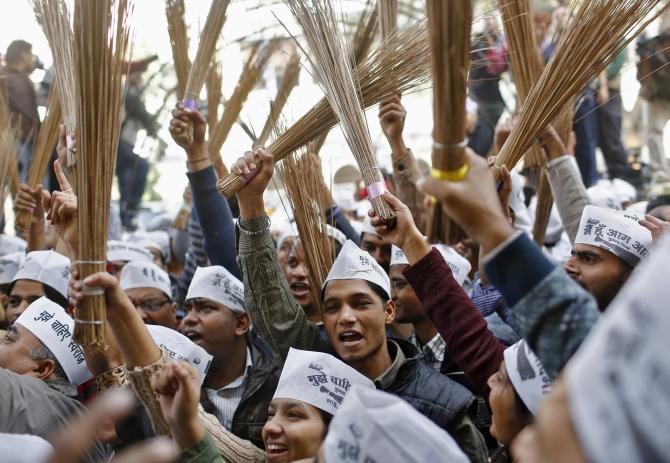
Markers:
point(46, 140)
point(328, 56)
point(214, 92)
point(196, 77)
point(288, 83)
point(102, 38)
point(302, 181)
point(251, 73)
point(178, 32)
point(405, 56)
point(54, 18)
point(597, 33)
point(364, 35)
point(449, 25)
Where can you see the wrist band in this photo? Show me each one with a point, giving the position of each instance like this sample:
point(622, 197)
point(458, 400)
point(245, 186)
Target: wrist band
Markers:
point(455, 175)
point(193, 161)
point(189, 104)
point(256, 232)
point(375, 190)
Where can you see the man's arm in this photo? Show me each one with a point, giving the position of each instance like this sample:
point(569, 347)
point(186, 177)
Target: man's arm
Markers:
point(276, 316)
point(469, 341)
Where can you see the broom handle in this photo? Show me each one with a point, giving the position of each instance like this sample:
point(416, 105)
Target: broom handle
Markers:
point(449, 161)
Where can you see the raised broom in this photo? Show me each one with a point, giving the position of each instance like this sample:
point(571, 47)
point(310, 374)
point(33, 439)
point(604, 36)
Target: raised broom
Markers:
point(405, 56)
point(328, 53)
point(54, 18)
point(596, 33)
point(102, 39)
point(178, 32)
point(46, 140)
point(449, 25)
point(196, 77)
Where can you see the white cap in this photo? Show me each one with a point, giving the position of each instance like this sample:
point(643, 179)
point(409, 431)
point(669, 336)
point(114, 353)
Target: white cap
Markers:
point(51, 325)
point(353, 263)
point(367, 226)
point(24, 448)
point(219, 285)
point(162, 239)
point(138, 274)
point(517, 202)
point(527, 374)
point(9, 265)
point(318, 379)
point(459, 265)
point(617, 382)
point(158, 240)
point(614, 232)
point(624, 190)
point(179, 347)
point(47, 267)
point(602, 194)
point(118, 251)
point(10, 244)
point(336, 234)
point(372, 425)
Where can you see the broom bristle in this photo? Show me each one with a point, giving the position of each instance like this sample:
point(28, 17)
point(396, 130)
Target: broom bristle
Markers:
point(597, 32)
point(388, 17)
point(302, 181)
point(214, 92)
point(288, 83)
point(404, 56)
point(102, 41)
point(361, 41)
point(328, 55)
point(543, 209)
point(252, 71)
point(46, 140)
point(208, 38)
point(54, 18)
point(175, 13)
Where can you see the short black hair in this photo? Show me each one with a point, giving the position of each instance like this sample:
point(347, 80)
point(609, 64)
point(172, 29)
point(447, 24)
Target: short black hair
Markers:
point(42, 352)
point(16, 49)
point(49, 292)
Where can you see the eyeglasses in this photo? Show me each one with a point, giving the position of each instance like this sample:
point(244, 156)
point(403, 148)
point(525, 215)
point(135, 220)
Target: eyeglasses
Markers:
point(150, 306)
point(15, 301)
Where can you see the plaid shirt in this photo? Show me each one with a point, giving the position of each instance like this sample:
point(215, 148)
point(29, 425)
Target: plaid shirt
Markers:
point(433, 351)
point(488, 300)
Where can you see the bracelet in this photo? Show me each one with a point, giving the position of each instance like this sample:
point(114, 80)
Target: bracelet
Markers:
point(116, 377)
point(257, 232)
point(193, 161)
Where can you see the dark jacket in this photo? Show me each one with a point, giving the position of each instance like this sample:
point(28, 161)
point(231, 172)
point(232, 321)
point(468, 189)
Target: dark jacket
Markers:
point(21, 98)
point(259, 387)
point(436, 396)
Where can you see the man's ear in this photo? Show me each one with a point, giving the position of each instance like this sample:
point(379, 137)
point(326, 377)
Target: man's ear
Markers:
point(389, 312)
point(43, 369)
point(243, 324)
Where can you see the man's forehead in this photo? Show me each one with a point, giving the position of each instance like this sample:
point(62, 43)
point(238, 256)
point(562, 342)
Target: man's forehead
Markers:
point(343, 289)
point(145, 293)
point(21, 332)
point(580, 248)
point(25, 287)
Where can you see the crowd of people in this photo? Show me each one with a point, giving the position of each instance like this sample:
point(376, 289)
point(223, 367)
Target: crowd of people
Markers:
point(218, 348)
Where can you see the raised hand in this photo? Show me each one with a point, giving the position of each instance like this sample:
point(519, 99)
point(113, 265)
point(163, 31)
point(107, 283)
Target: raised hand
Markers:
point(405, 234)
point(178, 389)
point(250, 196)
point(61, 208)
point(178, 127)
point(392, 116)
point(656, 226)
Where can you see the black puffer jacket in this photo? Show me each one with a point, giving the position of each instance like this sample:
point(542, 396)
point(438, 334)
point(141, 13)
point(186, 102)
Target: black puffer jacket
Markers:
point(436, 396)
point(259, 387)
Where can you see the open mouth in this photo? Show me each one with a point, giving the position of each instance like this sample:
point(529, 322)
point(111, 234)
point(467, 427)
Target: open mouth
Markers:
point(350, 338)
point(276, 451)
point(299, 289)
point(194, 336)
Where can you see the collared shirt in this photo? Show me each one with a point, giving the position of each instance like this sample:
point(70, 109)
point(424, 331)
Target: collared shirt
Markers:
point(228, 398)
point(386, 379)
point(433, 351)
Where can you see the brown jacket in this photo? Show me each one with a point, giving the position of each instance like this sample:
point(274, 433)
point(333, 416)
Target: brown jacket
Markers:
point(22, 100)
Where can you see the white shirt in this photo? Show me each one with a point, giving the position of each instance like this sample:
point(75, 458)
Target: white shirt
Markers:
point(228, 398)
